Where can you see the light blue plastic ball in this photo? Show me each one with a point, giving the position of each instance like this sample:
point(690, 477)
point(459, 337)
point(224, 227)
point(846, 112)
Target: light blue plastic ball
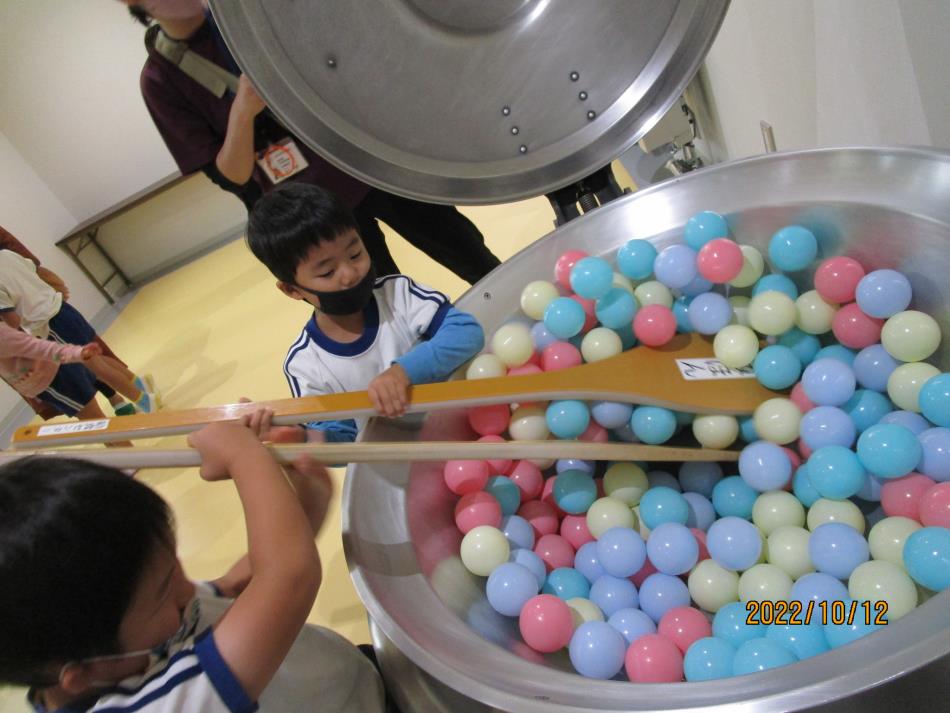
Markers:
point(828, 382)
point(804, 345)
point(873, 366)
point(564, 317)
point(866, 408)
point(889, 450)
point(567, 419)
point(541, 337)
point(836, 549)
point(734, 543)
point(591, 277)
point(934, 399)
point(509, 587)
point(708, 659)
point(611, 594)
point(505, 492)
point(532, 562)
point(518, 532)
point(588, 466)
point(683, 418)
point(733, 497)
point(672, 548)
point(699, 477)
point(652, 424)
point(836, 472)
point(793, 248)
point(661, 592)
point(837, 351)
point(760, 655)
point(827, 426)
point(701, 511)
point(616, 309)
point(587, 562)
point(709, 312)
point(681, 312)
point(776, 367)
point(675, 266)
point(730, 625)
point(698, 286)
point(802, 487)
point(817, 587)
point(703, 227)
point(914, 422)
point(621, 551)
point(935, 453)
point(927, 557)
point(775, 283)
point(842, 634)
point(764, 466)
point(635, 259)
point(803, 640)
point(574, 491)
point(632, 624)
point(611, 414)
point(566, 583)
point(747, 430)
point(662, 504)
point(597, 650)
point(662, 479)
point(883, 293)
point(628, 339)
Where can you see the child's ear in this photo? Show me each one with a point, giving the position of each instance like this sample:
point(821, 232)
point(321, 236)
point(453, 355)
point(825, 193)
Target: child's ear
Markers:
point(290, 290)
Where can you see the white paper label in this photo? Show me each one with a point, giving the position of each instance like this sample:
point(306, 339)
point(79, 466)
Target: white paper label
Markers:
point(708, 369)
point(81, 427)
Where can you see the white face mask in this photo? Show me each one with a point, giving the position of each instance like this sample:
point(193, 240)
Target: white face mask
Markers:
point(174, 9)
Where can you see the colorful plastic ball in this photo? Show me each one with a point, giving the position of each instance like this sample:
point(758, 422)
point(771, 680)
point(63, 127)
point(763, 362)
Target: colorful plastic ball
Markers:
point(853, 328)
point(814, 314)
point(911, 336)
point(681, 312)
point(836, 472)
point(700, 477)
point(612, 594)
point(529, 560)
point(753, 264)
point(661, 592)
point(886, 539)
point(777, 367)
point(697, 286)
point(536, 296)
point(709, 312)
point(545, 623)
point(827, 426)
point(512, 344)
point(654, 325)
point(484, 548)
point(661, 478)
point(527, 476)
point(597, 650)
point(701, 511)
point(616, 309)
point(883, 581)
point(760, 655)
point(574, 529)
point(564, 317)
point(528, 423)
point(594, 433)
point(607, 513)
point(715, 431)
point(802, 487)
point(802, 640)
point(497, 465)
point(777, 420)
point(901, 496)
point(935, 455)
point(631, 624)
point(845, 512)
point(509, 587)
point(883, 293)
point(836, 549)
point(839, 635)
point(542, 517)
point(740, 310)
point(818, 587)
point(764, 582)
point(731, 625)
point(565, 263)
point(906, 382)
point(837, 278)
point(591, 277)
point(566, 583)
point(708, 659)
point(800, 399)
point(525, 369)
point(489, 420)
point(866, 408)
point(653, 292)
point(772, 313)
point(621, 551)
point(927, 557)
point(611, 414)
point(793, 248)
point(888, 450)
point(776, 283)
point(776, 509)
point(908, 419)
point(584, 610)
point(872, 367)
point(660, 504)
point(600, 343)
point(764, 466)
point(653, 659)
point(684, 626)
point(652, 424)
point(541, 336)
point(805, 346)
point(836, 351)
point(574, 491)
point(476, 509)
point(675, 266)
point(505, 492)
point(704, 227)
point(518, 531)
point(560, 355)
point(736, 346)
point(486, 366)
point(934, 506)
point(934, 399)
point(465, 476)
point(626, 482)
point(587, 562)
point(711, 586)
point(734, 543)
point(635, 259)
point(828, 382)
point(733, 497)
point(567, 419)
point(788, 550)
point(672, 548)
point(720, 260)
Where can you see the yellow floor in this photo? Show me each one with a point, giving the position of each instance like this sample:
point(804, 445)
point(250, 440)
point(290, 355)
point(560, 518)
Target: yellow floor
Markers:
point(218, 329)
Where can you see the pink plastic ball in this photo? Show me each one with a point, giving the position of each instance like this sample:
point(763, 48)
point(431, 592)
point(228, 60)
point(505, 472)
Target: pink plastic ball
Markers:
point(599, 482)
point(800, 399)
point(654, 325)
point(590, 318)
point(497, 467)
point(564, 265)
point(701, 541)
point(645, 571)
point(466, 476)
point(542, 517)
point(654, 659)
point(837, 278)
point(719, 260)
point(683, 626)
point(477, 509)
point(524, 370)
point(855, 329)
point(793, 457)
point(527, 476)
point(535, 359)
point(560, 355)
point(901, 496)
point(804, 449)
point(489, 420)
point(934, 506)
point(574, 529)
point(594, 433)
point(554, 551)
point(546, 624)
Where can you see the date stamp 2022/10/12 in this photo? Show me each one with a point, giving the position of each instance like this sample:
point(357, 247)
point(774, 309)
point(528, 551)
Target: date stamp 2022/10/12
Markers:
point(798, 613)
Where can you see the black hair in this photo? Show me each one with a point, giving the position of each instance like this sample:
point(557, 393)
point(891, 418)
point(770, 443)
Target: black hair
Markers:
point(139, 13)
point(288, 222)
point(75, 538)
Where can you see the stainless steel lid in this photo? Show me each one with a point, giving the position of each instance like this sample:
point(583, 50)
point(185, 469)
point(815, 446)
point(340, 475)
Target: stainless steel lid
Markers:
point(463, 101)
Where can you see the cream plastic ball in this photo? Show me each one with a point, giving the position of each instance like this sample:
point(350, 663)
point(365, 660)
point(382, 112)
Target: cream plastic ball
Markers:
point(824, 510)
point(484, 548)
point(764, 582)
point(740, 310)
point(886, 539)
point(788, 550)
point(623, 282)
point(584, 610)
point(653, 292)
point(536, 296)
point(712, 587)
point(772, 313)
point(736, 346)
point(906, 381)
point(528, 423)
point(512, 344)
point(777, 420)
point(486, 366)
point(910, 336)
point(775, 509)
point(600, 343)
point(814, 314)
point(716, 431)
point(753, 265)
point(627, 482)
point(880, 581)
point(605, 513)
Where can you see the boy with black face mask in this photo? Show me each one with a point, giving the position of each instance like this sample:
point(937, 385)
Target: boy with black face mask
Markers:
point(380, 334)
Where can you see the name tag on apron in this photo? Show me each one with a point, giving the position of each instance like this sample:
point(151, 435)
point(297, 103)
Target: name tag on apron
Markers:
point(281, 160)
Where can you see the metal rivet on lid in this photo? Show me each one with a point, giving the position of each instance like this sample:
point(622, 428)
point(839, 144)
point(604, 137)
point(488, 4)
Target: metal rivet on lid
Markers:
point(523, 148)
point(582, 96)
point(591, 115)
point(514, 130)
point(331, 62)
point(505, 110)
point(575, 76)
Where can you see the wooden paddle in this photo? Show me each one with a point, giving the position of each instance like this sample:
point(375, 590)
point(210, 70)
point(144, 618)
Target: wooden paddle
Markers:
point(682, 375)
point(396, 452)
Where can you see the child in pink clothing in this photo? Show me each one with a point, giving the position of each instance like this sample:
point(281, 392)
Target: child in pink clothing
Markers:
point(29, 364)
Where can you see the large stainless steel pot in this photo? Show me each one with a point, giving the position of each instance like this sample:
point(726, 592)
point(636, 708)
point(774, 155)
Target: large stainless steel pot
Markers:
point(886, 207)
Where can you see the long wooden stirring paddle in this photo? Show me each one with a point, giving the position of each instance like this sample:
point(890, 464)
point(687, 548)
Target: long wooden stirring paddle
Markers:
point(682, 375)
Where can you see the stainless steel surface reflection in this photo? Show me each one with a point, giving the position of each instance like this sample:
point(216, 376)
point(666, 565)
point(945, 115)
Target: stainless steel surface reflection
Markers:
point(888, 208)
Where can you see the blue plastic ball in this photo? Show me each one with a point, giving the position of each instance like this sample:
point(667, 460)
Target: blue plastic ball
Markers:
point(635, 259)
point(776, 367)
point(699, 477)
point(764, 466)
point(871, 492)
point(730, 625)
point(591, 277)
point(836, 549)
point(708, 658)
point(760, 655)
point(734, 543)
point(662, 479)
point(697, 286)
point(567, 419)
point(927, 557)
point(616, 309)
point(817, 587)
point(793, 248)
point(889, 451)
point(661, 592)
point(506, 493)
point(611, 414)
point(709, 312)
point(597, 650)
point(681, 312)
point(837, 351)
point(562, 464)
point(566, 583)
point(934, 399)
point(541, 337)
point(804, 345)
point(574, 491)
point(842, 634)
point(873, 366)
point(632, 624)
point(827, 426)
point(518, 532)
point(747, 430)
point(532, 562)
point(804, 640)
point(935, 453)
point(701, 511)
point(883, 293)
point(509, 587)
point(621, 551)
point(776, 283)
point(587, 562)
point(802, 487)
point(828, 382)
point(628, 339)
point(675, 266)
point(835, 472)
point(866, 408)
point(914, 422)
point(672, 548)
point(611, 594)
point(661, 504)
point(564, 317)
point(652, 424)
point(703, 227)
point(733, 497)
